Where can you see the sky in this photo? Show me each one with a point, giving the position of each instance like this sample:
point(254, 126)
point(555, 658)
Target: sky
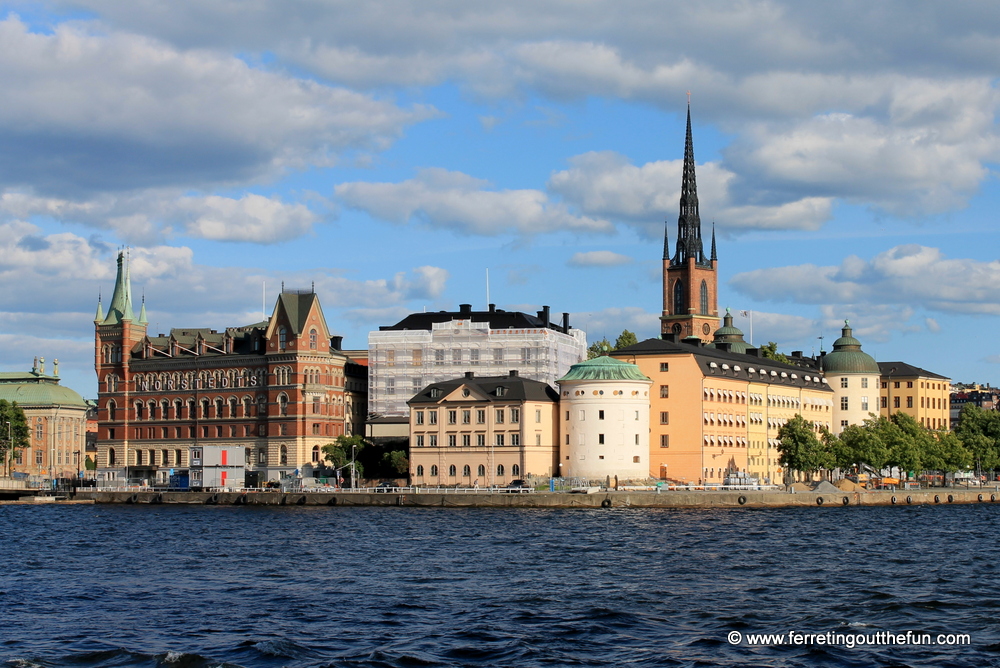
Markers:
point(394, 154)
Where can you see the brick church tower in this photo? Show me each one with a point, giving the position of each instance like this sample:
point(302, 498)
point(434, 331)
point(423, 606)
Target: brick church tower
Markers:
point(690, 280)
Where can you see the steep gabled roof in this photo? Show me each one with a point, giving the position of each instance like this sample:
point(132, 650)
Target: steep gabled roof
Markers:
point(296, 306)
point(515, 388)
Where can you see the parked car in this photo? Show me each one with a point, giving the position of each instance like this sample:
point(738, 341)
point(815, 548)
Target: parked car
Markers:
point(385, 486)
point(519, 486)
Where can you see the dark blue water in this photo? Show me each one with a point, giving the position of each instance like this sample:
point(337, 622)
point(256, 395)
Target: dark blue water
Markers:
point(185, 587)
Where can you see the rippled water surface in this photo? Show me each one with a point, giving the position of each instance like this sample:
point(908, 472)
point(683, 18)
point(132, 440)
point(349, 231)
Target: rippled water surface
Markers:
point(96, 586)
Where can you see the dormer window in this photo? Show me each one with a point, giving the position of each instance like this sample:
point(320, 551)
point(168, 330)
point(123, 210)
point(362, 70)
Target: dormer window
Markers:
point(435, 393)
point(500, 391)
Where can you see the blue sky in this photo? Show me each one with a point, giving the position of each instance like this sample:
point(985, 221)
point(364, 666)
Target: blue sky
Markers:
point(392, 152)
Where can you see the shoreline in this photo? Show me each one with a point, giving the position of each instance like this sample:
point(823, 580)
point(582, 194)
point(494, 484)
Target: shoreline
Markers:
point(609, 499)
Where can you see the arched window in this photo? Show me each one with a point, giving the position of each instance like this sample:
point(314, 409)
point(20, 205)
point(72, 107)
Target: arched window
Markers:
point(515, 470)
point(678, 297)
point(204, 408)
point(152, 410)
point(282, 404)
point(481, 471)
point(466, 471)
point(420, 470)
point(112, 460)
point(312, 339)
point(177, 409)
point(434, 470)
point(232, 407)
point(261, 405)
point(500, 470)
point(283, 458)
point(315, 453)
point(112, 410)
point(452, 471)
point(164, 410)
point(246, 406)
point(138, 410)
point(704, 297)
point(282, 337)
point(111, 382)
point(218, 407)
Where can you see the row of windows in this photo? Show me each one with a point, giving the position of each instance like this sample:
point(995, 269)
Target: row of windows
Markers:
point(515, 470)
point(500, 440)
point(438, 356)
point(844, 382)
point(500, 416)
point(619, 414)
point(582, 439)
point(150, 457)
point(845, 403)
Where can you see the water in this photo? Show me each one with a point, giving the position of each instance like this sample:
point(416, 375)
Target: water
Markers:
point(186, 587)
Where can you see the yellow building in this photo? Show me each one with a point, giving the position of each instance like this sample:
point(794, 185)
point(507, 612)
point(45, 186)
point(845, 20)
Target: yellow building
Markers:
point(917, 392)
point(714, 412)
point(489, 430)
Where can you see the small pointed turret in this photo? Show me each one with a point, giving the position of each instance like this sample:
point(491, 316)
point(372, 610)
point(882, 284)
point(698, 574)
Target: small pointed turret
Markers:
point(142, 312)
point(714, 258)
point(99, 318)
point(666, 240)
point(121, 300)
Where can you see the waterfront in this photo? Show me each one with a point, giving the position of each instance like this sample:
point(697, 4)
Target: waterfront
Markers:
point(130, 585)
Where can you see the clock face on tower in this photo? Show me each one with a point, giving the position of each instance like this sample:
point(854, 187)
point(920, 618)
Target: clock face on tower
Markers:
point(706, 328)
point(677, 328)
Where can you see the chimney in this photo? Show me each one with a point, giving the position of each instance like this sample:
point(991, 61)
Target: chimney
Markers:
point(34, 366)
point(513, 373)
point(470, 374)
point(465, 309)
point(546, 315)
point(337, 342)
point(566, 323)
point(493, 308)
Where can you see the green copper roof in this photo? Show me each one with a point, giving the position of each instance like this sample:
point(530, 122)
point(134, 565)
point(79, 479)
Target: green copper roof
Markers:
point(33, 389)
point(604, 368)
point(847, 356)
point(121, 301)
point(729, 335)
point(142, 313)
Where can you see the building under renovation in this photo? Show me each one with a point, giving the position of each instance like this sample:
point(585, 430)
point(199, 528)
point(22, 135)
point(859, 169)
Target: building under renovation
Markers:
point(426, 348)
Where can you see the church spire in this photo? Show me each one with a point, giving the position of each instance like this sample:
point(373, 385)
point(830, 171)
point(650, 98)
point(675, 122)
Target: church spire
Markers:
point(121, 300)
point(142, 312)
point(666, 240)
point(714, 258)
point(689, 221)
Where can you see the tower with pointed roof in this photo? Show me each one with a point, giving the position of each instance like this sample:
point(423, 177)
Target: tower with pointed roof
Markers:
point(690, 279)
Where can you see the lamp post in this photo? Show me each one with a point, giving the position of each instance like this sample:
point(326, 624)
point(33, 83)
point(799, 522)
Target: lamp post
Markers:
point(9, 455)
point(353, 446)
point(76, 457)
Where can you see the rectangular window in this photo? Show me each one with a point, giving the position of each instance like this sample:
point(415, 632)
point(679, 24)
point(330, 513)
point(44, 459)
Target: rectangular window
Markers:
point(637, 439)
point(433, 440)
point(600, 439)
point(481, 416)
point(884, 384)
point(600, 415)
point(909, 383)
point(885, 402)
point(452, 440)
point(864, 383)
point(664, 440)
point(664, 366)
point(896, 384)
point(481, 440)
point(390, 358)
point(895, 402)
point(843, 403)
point(583, 414)
point(418, 357)
point(390, 386)
point(664, 391)
point(438, 357)
point(474, 357)
point(466, 440)
point(515, 415)
point(864, 403)
point(452, 417)
point(538, 439)
point(456, 355)
point(843, 381)
point(515, 440)
point(316, 429)
point(499, 440)
point(466, 417)
point(538, 415)
point(499, 416)
point(418, 417)
point(498, 354)
point(420, 440)
point(664, 417)
point(909, 402)
point(432, 417)
point(843, 424)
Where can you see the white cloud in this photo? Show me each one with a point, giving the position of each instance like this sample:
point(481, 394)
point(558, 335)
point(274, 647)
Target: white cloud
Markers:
point(460, 202)
point(907, 274)
point(598, 259)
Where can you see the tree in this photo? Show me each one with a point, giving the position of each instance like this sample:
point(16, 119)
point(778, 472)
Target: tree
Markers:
point(19, 431)
point(397, 462)
point(338, 453)
point(800, 449)
point(979, 431)
point(945, 453)
point(598, 348)
point(625, 339)
point(770, 351)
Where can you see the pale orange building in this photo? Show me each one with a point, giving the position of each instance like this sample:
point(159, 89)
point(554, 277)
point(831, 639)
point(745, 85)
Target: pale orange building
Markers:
point(714, 412)
point(922, 394)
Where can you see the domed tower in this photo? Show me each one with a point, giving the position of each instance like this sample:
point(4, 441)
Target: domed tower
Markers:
point(605, 426)
point(729, 337)
point(853, 376)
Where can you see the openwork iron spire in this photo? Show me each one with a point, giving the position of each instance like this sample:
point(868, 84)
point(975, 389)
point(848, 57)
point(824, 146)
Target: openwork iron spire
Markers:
point(689, 222)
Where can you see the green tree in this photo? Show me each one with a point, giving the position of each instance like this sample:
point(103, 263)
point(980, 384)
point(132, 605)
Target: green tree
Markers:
point(860, 445)
point(598, 348)
point(900, 446)
point(625, 339)
point(770, 351)
point(338, 453)
point(18, 434)
point(397, 462)
point(800, 449)
point(979, 431)
point(945, 453)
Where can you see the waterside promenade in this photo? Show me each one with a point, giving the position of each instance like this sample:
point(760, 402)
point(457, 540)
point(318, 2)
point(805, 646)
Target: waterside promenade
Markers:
point(602, 499)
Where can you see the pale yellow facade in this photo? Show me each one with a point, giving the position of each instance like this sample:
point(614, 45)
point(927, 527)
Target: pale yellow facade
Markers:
point(924, 396)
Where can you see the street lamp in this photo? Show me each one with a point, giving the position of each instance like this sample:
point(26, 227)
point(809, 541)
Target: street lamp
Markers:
point(9, 455)
point(76, 456)
point(353, 446)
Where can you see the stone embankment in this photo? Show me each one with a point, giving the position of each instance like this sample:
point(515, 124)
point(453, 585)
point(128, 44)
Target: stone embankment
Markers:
point(610, 499)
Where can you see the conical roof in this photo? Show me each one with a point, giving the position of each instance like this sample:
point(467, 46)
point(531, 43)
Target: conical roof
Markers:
point(729, 337)
point(604, 368)
point(121, 301)
point(847, 356)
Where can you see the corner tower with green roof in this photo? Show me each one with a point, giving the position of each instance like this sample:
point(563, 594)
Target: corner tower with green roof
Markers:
point(604, 423)
point(853, 375)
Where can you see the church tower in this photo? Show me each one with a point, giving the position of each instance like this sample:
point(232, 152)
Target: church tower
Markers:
point(690, 280)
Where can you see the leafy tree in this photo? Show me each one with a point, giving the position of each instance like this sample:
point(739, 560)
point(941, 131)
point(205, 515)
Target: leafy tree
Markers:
point(19, 431)
point(860, 445)
point(397, 462)
point(338, 453)
point(770, 351)
point(598, 348)
point(945, 453)
point(625, 339)
point(900, 447)
point(800, 449)
point(979, 431)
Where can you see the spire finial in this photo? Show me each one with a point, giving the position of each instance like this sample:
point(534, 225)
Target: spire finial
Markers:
point(688, 222)
point(713, 258)
point(666, 240)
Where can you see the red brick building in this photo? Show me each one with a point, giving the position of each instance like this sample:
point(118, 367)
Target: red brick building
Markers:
point(281, 388)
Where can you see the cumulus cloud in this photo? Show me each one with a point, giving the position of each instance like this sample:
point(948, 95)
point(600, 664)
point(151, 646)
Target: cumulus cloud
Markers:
point(907, 274)
point(86, 112)
point(598, 259)
point(456, 201)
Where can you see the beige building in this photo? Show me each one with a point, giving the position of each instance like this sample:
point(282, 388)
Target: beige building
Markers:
point(853, 375)
point(489, 430)
point(922, 394)
point(57, 423)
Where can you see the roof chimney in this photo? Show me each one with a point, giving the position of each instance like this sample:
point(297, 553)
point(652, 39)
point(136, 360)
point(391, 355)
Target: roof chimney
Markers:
point(493, 308)
point(545, 316)
point(465, 309)
point(470, 374)
point(513, 372)
point(566, 323)
point(337, 342)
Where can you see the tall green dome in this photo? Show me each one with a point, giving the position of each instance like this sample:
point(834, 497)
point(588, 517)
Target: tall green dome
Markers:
point(847, 356)
point(604, 368)
point(729, 337)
